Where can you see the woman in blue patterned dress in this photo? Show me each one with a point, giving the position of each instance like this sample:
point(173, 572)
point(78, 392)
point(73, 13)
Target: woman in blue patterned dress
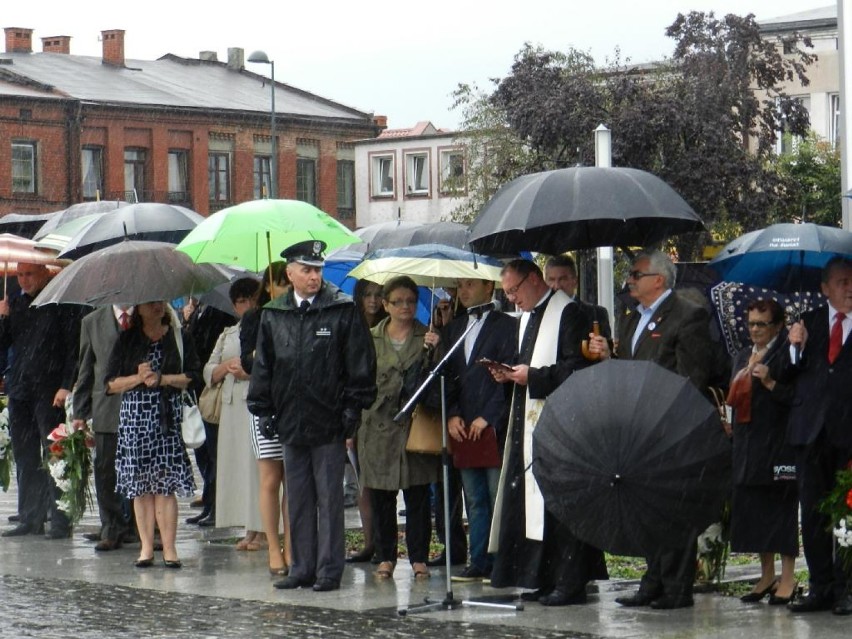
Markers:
point(152, 465)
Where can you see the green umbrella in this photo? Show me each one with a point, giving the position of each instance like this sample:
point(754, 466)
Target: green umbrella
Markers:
point(253, 234)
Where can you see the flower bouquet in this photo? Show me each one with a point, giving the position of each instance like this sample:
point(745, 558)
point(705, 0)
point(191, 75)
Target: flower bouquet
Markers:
point(838, 506)
point(69, 464)
point(5, 450)
point(714, 549)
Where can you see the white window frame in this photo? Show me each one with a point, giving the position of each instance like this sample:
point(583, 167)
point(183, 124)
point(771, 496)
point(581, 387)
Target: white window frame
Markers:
point(452, 184)
point(382, 175)
point(24, 168)
point(834, 119)
point(795, 140)
point(417, 173)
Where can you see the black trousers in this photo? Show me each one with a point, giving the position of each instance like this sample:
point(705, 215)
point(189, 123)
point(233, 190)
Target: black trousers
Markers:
point(458, 538)
point(418, 523)
point(111, 506)
point(30, 422)
point(816, 466)
point(671, 571)
point(205, 457)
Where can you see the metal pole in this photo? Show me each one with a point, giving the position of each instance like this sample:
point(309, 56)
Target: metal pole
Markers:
point(273, 165)
point(844, 20)
point(606, 292)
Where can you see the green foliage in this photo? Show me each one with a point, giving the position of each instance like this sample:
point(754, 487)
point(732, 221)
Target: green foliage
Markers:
point(811, 175)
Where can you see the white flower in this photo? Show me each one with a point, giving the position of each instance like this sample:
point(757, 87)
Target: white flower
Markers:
point(710, 538)
point(57, 469)
point(63, 505)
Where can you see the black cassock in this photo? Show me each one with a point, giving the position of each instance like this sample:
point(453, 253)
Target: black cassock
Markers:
point(559, 561)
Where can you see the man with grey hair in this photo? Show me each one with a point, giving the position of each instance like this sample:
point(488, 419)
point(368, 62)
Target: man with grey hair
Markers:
point(672, 331)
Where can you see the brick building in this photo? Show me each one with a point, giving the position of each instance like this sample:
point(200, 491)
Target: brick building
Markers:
point(194, 132)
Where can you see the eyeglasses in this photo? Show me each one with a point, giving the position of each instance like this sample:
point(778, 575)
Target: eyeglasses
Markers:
point(638, 275)
point(398, 303)
point(758, 324)
point(514, 290)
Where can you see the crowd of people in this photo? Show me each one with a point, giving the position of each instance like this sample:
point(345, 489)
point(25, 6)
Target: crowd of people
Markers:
point(311, 380)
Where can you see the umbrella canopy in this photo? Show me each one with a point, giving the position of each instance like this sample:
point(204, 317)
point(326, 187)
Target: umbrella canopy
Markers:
point(782, 257)
point(131, 272)
point(427, 264)
point(24, 224)
point(59, 237)
point(581, 207)
point(253, 233)
point(639, 464)
point(730, 301)
point(74, 211)
point(149, 221)
point(15, 249)
point(382, 235)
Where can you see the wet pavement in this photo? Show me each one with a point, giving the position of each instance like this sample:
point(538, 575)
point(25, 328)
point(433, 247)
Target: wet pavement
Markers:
point(63, 588)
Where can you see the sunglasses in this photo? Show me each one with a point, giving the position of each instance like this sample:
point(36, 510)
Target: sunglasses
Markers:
point(638, 275)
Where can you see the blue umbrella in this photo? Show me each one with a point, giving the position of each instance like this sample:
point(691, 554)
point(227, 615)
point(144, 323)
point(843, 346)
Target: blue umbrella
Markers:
point(782, 257)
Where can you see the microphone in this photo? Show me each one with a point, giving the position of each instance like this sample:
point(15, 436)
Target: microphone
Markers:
point(480, 310)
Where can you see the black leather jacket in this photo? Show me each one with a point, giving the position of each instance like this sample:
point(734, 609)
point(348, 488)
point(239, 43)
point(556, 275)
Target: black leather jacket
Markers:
point(311, 366)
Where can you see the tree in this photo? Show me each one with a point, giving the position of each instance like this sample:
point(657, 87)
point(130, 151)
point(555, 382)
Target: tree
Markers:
point(811, 174)
point(704, 121)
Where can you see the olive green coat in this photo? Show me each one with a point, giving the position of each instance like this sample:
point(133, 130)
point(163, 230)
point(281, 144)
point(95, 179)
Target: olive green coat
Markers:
point(381, 441)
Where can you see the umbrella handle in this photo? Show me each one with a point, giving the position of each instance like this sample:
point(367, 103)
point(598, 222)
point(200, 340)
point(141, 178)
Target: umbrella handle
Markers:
point(269, 257)
point(584, 346)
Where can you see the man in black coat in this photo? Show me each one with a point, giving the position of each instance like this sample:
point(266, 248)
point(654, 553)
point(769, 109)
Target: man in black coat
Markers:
point(820, 431)
point(673, 332)
point(45, 340)
point(313, 373)
point(560, 273)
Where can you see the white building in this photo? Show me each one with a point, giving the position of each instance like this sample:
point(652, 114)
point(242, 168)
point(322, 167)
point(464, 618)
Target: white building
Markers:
point(415, 174)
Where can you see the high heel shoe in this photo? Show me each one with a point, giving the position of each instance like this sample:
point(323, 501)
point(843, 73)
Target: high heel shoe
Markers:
point(775, 600)
point(144, 563)
point(756, 595)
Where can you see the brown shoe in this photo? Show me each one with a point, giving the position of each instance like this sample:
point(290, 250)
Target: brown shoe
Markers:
point(105, 545)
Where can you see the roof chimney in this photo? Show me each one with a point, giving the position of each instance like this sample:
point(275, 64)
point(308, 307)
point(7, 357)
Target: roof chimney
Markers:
point(56, 44)
point(236, 58)
point(19, 40)
point(380, 121)
point(209, 56)
point(113, 43)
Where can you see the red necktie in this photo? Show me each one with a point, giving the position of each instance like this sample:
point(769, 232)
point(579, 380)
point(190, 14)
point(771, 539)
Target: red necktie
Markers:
point(124, 320)
point(835, 340)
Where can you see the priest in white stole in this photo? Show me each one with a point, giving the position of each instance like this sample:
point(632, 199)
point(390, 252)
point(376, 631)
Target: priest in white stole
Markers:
point(533, 549)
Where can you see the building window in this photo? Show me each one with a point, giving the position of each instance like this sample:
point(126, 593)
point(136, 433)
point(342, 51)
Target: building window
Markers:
point(306, 180)
point(92, 170)
point(834, 119)
point(219, 177)
point(345, 189)
point(262, 176)
point(178, 176)
point(23, 167)
point(382, 175)
point(417, 173)
point(134, 175)
point(787, 142)
point(452, 171)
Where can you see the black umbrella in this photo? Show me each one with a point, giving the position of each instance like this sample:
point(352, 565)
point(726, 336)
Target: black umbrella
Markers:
point(578, 208)
point(131, 272)
point(24, 224)
point(77, 211)
point(149, 221)
point(631, 457)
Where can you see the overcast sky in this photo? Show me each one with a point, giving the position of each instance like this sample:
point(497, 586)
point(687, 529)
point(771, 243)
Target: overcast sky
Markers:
point(399, 59)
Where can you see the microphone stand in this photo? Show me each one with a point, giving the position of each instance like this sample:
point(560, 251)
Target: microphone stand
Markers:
point(449, 602)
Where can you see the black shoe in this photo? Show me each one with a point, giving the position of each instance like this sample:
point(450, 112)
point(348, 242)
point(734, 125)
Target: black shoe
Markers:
point(360, 557)
point(204, 514)
point(470, 573)
point(535, 595)
point(144, 563)
point(843, 606)
point(811, 602)
point(58, 533)
point(92, 536)
point(14, 519)
point(105, 545)
point(670, 602)
point(290, 582)
point(208, 522)
point(558, 598)
point(757, 595)
point(22, 529)
point(639, 599)
point(173, 563)
point(326, 585)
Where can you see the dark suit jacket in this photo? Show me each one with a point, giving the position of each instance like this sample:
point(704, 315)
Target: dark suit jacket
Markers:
point(598, 314)
point(474, 393)
point(676, 338)
point(574, 327)
point(823, 391)
point(761, 444)
point(98, 335)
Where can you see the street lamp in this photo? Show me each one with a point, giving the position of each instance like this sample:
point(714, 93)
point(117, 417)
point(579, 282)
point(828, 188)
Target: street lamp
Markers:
point(261, 58)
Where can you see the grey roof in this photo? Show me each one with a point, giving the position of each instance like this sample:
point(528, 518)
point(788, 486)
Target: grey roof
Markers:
point(819, 14)
point(170, 81)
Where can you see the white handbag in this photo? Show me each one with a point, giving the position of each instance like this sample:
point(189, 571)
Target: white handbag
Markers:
point(191, 424)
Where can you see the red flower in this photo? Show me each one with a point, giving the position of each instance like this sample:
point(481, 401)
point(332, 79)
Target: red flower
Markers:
point(849, 498)
point(57, 449)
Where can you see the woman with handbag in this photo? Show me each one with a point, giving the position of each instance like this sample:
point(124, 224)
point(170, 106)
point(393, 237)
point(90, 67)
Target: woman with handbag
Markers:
point(152, 465)
point(764, 508)
point(237, 494)
point(386, 466)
